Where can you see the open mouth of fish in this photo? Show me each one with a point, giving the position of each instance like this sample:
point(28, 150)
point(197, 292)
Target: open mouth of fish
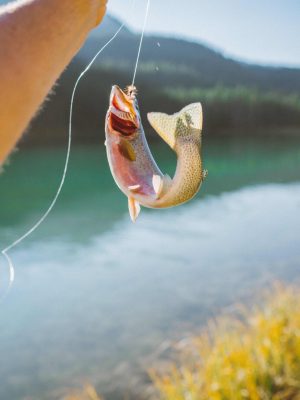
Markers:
point(122, 116)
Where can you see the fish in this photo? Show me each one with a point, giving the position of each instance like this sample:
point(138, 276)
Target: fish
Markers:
point(132, 164)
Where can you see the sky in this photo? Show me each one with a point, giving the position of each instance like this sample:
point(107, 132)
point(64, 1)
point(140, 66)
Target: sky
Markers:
point(258, 31)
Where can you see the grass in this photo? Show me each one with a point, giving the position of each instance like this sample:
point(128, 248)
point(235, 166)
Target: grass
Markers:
point(252, 356)
point(89, 393)
point(256, 357)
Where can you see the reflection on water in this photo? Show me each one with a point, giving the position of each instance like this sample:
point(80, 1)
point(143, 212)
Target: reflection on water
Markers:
point(95, 295)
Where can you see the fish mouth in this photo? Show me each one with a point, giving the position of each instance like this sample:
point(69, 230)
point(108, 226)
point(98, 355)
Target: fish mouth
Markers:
point(122, 115)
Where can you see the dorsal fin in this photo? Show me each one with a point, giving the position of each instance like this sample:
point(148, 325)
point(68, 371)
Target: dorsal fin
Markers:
point(167, 125)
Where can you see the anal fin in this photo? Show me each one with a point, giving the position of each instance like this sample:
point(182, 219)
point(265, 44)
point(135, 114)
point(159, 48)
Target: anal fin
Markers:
point(134, 208)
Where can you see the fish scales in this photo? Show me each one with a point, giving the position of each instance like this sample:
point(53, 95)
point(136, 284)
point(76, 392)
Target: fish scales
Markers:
point(132, 164)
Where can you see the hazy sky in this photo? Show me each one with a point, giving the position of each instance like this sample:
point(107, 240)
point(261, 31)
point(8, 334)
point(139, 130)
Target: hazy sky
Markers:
point(265, 31)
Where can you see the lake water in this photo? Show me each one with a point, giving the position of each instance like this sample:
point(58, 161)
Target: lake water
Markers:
point(96, 298)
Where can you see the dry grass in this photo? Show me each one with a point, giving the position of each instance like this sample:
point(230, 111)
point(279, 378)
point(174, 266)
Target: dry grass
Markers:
point(257, 359)
point(89, 393)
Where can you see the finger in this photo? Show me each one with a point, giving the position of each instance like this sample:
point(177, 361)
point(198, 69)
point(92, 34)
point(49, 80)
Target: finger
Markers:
point(102, 11)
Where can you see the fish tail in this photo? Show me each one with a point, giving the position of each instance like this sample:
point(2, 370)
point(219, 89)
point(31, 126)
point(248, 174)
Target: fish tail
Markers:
point(186, 123)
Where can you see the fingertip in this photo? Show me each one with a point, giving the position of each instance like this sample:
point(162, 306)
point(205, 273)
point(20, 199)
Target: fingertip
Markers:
point(101, 14)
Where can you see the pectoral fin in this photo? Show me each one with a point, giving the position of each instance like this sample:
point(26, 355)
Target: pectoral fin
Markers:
point(134, 208)
point(168, 126)
point(127, 150)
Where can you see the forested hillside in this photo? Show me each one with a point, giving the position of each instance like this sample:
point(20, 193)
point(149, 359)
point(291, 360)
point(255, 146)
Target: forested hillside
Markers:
point(238, 98)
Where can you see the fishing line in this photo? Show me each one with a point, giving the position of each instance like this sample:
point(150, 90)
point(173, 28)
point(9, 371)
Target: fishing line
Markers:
point(66, 165)
point(141, 41)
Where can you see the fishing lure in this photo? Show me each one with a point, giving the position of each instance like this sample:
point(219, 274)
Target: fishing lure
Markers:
point(132, 164)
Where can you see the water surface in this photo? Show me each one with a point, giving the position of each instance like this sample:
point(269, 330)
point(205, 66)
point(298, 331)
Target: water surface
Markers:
point(96, 297)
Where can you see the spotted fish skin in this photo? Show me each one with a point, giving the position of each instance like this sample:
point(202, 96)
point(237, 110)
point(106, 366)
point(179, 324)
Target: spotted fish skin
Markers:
point(132, 164)
point(183, 133)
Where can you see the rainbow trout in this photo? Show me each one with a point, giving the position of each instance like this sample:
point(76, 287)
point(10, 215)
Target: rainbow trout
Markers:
point(132, 164)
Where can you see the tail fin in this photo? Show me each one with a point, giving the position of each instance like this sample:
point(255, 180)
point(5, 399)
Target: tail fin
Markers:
point(170, 127)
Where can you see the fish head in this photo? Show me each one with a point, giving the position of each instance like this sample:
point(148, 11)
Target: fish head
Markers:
point(123, 117)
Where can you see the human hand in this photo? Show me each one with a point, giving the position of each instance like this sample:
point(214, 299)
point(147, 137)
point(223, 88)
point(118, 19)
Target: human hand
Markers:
point(100, 10)
point(45, 34)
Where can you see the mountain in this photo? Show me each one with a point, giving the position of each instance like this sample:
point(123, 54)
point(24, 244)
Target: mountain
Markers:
point(237, 97)
point(191, 64)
